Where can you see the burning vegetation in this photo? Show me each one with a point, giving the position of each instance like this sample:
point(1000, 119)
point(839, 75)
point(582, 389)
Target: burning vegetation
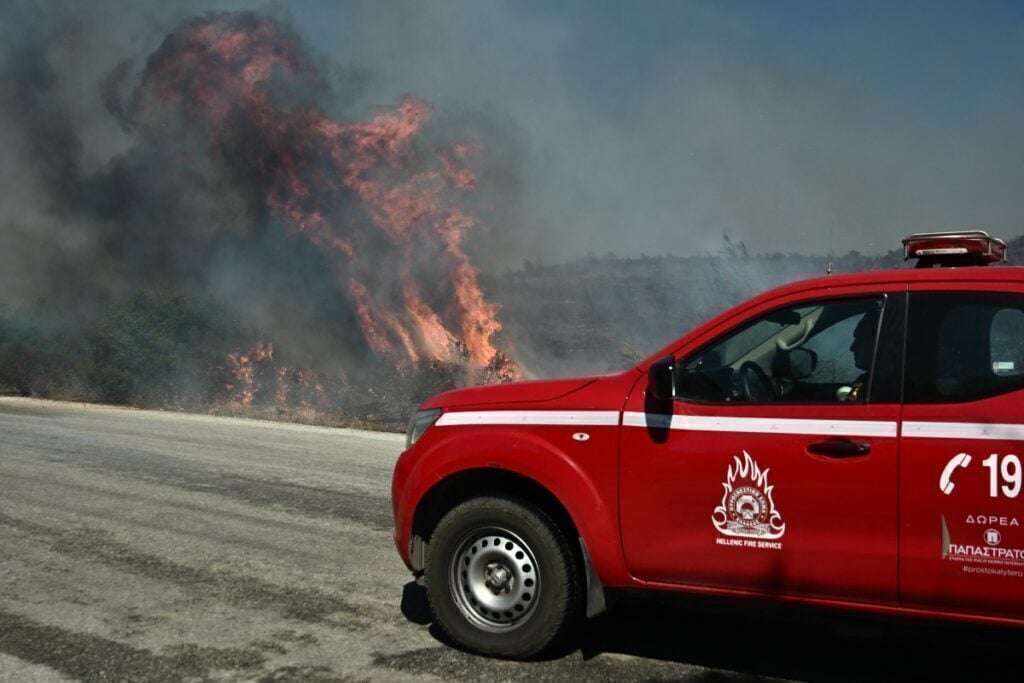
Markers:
point(255, 242)
point(336, 249)
point(383, 209)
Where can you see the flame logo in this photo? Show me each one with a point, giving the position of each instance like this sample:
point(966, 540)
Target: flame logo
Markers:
point(748, 508)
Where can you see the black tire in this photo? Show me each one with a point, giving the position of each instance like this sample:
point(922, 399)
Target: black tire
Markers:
point(501, 578)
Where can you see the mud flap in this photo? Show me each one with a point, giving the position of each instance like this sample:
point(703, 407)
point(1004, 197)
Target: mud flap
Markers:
point(595, 591)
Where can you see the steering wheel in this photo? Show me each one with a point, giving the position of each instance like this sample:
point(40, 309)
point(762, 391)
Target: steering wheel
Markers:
point(754, 382)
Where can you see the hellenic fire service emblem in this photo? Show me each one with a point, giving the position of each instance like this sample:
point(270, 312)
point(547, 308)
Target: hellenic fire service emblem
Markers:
point(747, 508)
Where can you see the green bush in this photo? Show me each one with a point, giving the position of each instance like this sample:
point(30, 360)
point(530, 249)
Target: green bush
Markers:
point(18, 340)
point(39, 353)
point(155, 349)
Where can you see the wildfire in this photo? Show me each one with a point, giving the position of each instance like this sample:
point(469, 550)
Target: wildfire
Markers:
point(383, 212)
point(243, 368)
point(254, 377)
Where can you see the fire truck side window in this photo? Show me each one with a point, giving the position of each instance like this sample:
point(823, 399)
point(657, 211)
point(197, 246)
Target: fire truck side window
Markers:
point(817, 352)
point(964, 346)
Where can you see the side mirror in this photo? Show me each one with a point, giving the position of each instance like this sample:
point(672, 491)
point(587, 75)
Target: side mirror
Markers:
point(797, 363)
point(661, 379)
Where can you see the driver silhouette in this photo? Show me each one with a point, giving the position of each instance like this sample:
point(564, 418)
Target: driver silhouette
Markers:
point(863, 347)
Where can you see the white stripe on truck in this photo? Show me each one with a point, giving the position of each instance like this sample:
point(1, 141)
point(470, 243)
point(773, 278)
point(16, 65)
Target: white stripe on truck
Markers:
point(753, 425)
point(963, 430)
point(576, 418)
point(762, 425)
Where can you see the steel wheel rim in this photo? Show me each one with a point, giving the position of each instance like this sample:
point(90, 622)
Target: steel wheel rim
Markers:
point(494, 579)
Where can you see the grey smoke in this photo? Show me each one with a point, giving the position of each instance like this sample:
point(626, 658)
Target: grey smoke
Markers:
point(611, 128)
point(804, 126)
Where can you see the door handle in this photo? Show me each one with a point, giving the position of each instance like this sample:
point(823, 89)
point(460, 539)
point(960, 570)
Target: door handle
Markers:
point(839, 448)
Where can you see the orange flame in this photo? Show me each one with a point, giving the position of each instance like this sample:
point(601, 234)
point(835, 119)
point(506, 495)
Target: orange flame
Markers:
point(254, 378)
point(434, 337)
point(242, 367)
point(358, 191)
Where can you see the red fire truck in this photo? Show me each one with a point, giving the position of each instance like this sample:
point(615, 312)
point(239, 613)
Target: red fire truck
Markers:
point(852, 441)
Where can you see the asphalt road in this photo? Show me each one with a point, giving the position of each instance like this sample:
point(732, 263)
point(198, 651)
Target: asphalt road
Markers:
point(138, 545)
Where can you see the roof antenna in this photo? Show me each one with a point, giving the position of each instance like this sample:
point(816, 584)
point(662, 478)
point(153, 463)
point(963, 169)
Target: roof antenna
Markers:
point(831, 243)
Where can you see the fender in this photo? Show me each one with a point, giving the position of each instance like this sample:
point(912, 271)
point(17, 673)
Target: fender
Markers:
point(585, 485)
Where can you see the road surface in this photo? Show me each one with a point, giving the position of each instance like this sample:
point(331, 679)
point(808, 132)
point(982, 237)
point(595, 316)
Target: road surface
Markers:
point(146, 545)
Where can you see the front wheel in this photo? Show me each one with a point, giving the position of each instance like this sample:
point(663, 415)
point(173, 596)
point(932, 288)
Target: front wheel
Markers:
point(501, 578)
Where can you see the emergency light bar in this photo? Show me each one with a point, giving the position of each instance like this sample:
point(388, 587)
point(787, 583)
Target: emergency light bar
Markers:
point(967, 248)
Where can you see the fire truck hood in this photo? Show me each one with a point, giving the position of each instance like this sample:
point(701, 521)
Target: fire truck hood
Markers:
point(520, 392)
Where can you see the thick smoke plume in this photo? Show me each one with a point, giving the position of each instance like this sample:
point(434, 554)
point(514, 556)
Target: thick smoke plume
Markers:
point(381, 207)
point(336, 245)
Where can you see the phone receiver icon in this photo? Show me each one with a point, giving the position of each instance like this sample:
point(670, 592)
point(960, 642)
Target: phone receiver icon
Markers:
point(946, 484)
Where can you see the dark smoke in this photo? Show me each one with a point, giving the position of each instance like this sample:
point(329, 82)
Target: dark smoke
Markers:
point(202, 203)
point(145, 244)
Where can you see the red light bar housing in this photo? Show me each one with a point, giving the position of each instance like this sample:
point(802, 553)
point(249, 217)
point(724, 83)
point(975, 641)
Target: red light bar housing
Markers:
point(945, 249)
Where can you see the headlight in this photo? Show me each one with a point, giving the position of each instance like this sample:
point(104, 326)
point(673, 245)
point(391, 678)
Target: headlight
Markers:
point(419, 424)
